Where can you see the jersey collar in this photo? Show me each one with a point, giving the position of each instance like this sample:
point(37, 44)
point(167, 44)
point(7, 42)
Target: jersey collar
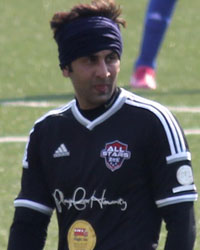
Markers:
point(101, 118)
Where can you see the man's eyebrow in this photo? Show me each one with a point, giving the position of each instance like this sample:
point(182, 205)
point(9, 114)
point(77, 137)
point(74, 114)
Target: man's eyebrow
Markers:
point(91, 55)
point(112, 53)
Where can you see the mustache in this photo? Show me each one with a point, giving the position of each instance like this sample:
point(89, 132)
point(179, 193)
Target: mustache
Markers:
point(106, 81)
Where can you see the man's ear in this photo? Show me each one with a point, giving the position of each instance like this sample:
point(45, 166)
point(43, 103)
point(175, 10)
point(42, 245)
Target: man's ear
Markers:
point(65, 72)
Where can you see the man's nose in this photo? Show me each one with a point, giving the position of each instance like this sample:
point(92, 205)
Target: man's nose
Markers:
point(102, 70)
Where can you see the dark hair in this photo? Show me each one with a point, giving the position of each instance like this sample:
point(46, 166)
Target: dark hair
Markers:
point(105, 8)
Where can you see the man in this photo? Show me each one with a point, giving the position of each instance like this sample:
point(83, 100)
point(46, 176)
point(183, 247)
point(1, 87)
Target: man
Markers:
point(157, 19)
point(111, 178)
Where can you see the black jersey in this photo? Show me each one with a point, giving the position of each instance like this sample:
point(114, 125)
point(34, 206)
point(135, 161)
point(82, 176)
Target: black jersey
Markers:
point(107, 178)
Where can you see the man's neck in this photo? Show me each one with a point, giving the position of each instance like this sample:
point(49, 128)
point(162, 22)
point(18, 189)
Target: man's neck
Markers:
point(92, 114)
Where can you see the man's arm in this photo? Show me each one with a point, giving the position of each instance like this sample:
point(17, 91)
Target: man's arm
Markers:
point(28, 230)
point(180, 224)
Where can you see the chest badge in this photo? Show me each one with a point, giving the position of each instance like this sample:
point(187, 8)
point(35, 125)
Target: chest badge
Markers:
point(114, 154)
point(81, 235)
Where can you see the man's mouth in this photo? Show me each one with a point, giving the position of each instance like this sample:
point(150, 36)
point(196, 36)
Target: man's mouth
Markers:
point(101, 87)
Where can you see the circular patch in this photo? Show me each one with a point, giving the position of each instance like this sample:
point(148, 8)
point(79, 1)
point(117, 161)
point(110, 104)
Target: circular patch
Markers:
point(184, 175)
point(81, 236)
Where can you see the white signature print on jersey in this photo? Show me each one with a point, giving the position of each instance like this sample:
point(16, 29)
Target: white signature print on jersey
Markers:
point(79, 201)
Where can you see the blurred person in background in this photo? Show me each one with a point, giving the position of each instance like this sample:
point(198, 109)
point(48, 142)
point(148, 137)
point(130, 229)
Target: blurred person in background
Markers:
point(157, 19)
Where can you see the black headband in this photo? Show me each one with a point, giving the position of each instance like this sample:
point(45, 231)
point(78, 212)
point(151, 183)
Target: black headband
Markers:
point(85, 36)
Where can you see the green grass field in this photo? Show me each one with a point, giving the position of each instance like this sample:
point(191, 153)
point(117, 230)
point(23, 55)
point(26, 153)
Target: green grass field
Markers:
point(29, 72)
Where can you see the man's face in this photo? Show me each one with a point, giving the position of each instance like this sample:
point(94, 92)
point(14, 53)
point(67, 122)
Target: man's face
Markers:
point(94, 78)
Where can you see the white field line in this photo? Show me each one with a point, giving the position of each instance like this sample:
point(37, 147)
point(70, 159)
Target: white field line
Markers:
point(37, 104)
point(185, 109)
point(192, 131)
point(45, 104)
point(31, 104)
point(13, 139)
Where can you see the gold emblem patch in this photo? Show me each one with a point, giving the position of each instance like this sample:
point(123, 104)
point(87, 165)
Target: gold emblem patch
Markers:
point(81, 236)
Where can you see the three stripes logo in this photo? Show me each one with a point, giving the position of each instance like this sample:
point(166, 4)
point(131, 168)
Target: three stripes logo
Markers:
point(61, 151)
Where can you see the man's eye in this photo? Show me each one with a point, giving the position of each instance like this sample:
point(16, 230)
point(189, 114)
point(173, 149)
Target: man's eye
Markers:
point(112, 57)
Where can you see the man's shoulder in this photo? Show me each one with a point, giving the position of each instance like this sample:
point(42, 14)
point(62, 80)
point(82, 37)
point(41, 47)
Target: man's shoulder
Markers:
point(54, 114)
point(153, 114)
point(145, 105)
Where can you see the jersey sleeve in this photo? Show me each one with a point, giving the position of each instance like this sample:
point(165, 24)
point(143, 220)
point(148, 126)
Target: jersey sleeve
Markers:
point(34, 192)
point(170, 162)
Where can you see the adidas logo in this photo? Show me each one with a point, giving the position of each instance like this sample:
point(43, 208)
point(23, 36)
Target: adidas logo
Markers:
point(61, 151)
